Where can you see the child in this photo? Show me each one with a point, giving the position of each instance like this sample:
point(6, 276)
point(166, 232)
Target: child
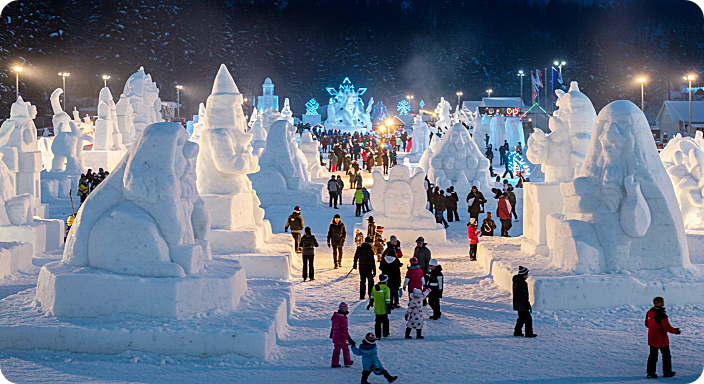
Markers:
point(488, 225)
point(371, 227)
point(414, 313)
point(473, 239)
point(379, 243)
point(358, 237)
point(308, 244)
point(658, 327)
point(414, 277)
point(370, 360)
point(380, 299)
point(435, 283)
point(340, 337)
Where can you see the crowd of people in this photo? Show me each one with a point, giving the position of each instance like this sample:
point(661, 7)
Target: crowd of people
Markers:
point(89, 181)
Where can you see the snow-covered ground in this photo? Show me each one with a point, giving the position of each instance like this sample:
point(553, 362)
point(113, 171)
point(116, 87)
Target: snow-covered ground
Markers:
point(472, 342)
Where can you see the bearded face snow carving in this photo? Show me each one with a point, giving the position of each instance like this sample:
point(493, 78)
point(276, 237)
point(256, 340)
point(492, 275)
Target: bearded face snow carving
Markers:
point(398, 201)
point(400, 196)
point(457, 153)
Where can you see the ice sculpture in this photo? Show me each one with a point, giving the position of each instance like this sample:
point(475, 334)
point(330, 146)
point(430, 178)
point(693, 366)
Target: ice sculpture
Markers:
point(142, 95)
point(310, 149)
point(683, 158)
point(286, 112)
point(67, 146)
point(268, 99)
point(346, 109)
point(398, 205)
point(443, 114)
point(620, 212)
point(560, 151)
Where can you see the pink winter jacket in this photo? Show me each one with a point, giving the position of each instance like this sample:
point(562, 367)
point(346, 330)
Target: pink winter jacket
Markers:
point(339, 329)
point(414, 278)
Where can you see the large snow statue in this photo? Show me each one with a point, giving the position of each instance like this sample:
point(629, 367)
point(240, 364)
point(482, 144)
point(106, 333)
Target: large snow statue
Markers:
point(398, 205)
point(560, 151)
point(198, 124)
point(107, 134)
point(498, 132)
point(620, 212)
point(420, 136)
point(683, 158)
point(310, 149)
point(14, 210)
point(346, 108)
point(67, 146)
point(286, 112)
point(142, 95)
point(514, 131)
point(280, 158)
point(443, 114)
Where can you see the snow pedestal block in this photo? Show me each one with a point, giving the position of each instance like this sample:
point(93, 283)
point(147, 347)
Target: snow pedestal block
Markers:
point(251, 330)
point(43, 235)
point(69, 291)
point(273, 260)
point(695, 244)
point(311, 119)
point(552, 288)
point(14, 256)
point(539, 201)
point(107, 160)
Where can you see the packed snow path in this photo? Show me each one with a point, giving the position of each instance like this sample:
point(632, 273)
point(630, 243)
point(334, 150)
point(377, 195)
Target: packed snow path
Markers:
point(472, 342)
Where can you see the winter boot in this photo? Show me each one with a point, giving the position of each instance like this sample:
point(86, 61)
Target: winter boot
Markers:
point(388, 377)
point(531, 335)
point(350, 364)
point(669, 374)
point(408, 333)
point(365, 376)
point(418, 334)
point(652, 376)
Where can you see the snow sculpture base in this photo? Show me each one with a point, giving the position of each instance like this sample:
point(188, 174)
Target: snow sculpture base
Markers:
point(250, 331)
point(89, 292)
point(552, 288)
point(695, 244)
point(311, 119)
point(42, 235)
point(107, 160)
point(14, 256)
point(407, 232)
point(539, 201)
point(276, 193)
point(56, 187)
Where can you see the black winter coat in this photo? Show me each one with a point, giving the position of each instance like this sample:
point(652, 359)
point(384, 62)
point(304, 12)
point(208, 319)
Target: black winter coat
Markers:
point(391, 267)
point(295, 221)
point(451, 201)
point(365, 256)
point(337, 233)
point(435, 281)
point(521, 299)
point(308, 243)
point(423, 256)
point(440, 202)
point(479, 199)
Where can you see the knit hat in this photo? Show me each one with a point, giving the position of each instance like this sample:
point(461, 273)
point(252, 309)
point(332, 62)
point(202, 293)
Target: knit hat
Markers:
point(370, 338)
point(393, 238)
point(380, 229)
point(433, 263)
point(420, 240)
point(417, 292)
point(343, 307)
point(522, 270)
point(370, 219)
point(472, 220)
point(659, 302)
point(368, 240)
point(414, 261)
point(383, 278)
point(337, 216)
point(296, 209)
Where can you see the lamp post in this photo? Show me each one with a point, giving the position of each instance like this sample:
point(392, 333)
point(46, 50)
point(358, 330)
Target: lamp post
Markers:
point(105, 80)
point(488, 92)
point(178, 102)
point(17, 81)
point(521, 75)
point(559, 65)
point(642, 81)
point(459, 96)
point(690, 78)
point(64, 75)
point(409, 98)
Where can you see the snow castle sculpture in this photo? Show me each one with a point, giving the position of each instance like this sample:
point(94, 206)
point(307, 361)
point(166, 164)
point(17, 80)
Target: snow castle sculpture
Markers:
point(286, 112)
point(140, 99)
point(398, 205)
point(346, 108)
point(620, 212)
point(310, 149)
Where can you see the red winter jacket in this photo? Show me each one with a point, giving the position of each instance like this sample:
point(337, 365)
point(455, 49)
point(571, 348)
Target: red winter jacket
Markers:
point(503, 211)
point(658, 327)
point(472, 234)
point(414, 278)
point(339, 329)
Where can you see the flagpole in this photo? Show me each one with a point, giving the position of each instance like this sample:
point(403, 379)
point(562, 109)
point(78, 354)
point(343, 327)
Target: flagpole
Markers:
point(546, 102)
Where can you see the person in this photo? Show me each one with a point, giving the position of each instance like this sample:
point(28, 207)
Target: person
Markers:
point(521, 180)
point(391, 266)
point(498, 187)
point(404, 139)
point(440, 206)
point(83, 188)
point(451, 200)
point(353, 177)
point(380, 299)
point(430, 195)
point(503, 153)
point(358, 237)
point(336, 237)
point(473, 239)
point(508, 170)
point(488, 225)
point(512, 201)
point(332, 190)
point(396, 245)
point(358, 200)
point(658, 326)
point(435, 283)
point(371, 227)
point(365, 202)
point(519, 149)
point(489, 153)
point(333, 161)
point(379, 243)
point(340, 336)
point(414, 313)
point(422, 254)
point(295, 221)
point(370, 361)
point(475, 203)
point(415, 278)
point(367, 267)
point(385, 162)
point(340, 188)
point(521, 303)
point(358, 178)
point(504, 214)
point(308, 244)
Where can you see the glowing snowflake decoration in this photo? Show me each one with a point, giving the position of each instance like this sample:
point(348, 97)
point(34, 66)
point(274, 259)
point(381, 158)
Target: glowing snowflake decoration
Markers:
point(403, 107)
point(312, 107)
point(518, 164)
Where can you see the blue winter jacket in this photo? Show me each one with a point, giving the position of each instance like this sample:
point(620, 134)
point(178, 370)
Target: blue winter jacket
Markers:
point(370, 361)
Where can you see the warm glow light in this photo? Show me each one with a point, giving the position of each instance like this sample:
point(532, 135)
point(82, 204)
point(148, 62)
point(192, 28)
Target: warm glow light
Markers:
point(409, 97)
point(556, 63)
point(18, 69)
point(689, 77)
point(642, 79)
point(179, 87)
point(106, 77)
point(388, 122)
point(459, 93)
point(64, 74)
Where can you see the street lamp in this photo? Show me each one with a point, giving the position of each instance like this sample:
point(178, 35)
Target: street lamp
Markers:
point(521, 75)
point(64, 75)
point(642, 81)
point(488, 92)
point(17, 81)
point(459, 95)
point(178, 102)
point(105, 80)
point(559, 65)
point(690, 78)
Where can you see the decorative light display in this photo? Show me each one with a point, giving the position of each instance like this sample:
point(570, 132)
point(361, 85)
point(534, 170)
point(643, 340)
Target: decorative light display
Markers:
point(346, 88)
point(312, 107)
point(518, 164)
point(403, 107)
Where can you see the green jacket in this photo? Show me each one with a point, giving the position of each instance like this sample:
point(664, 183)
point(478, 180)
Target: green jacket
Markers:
point(358, 196)
point(381, 298)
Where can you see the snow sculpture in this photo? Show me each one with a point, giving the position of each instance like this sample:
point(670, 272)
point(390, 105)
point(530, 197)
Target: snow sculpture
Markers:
point(259, 136)
point(142, 95)
point(443, 114)
point(107, 133)
point(268, 117)
point(268, 99)
point(620, 212)
point(14, 210)
point(310, 149)
point(497, 136)
point(311, 116)
point(198, 125)
point(67, 146)
point(420, 137)
point(346, 108)
point(565, 147)
point(683, 158)
point(514, 131)
point(286, 112)
point(398, 205)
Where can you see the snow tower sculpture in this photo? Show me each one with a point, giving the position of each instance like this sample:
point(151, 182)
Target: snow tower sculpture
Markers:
point(142, 95)
point(346, 108)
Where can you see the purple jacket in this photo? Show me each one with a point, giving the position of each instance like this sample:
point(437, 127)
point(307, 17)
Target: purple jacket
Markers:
point(339, 328)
